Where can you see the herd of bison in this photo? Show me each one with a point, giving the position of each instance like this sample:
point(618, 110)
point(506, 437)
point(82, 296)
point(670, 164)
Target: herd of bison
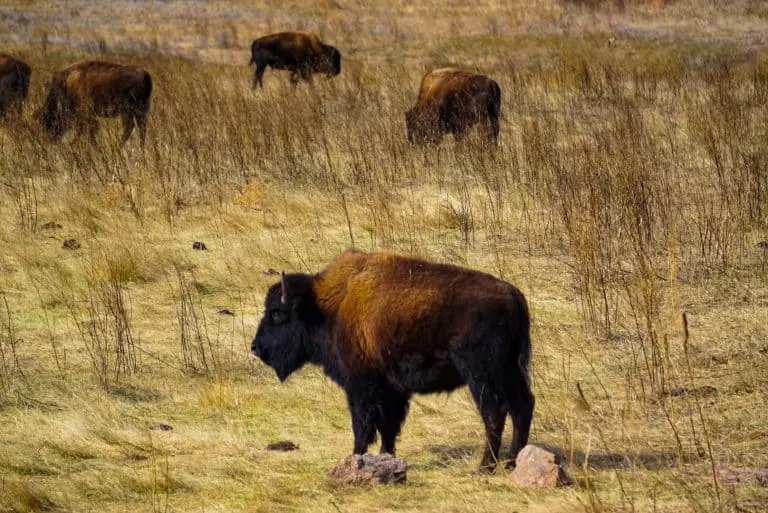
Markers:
point(450, 100)
point(382, 326)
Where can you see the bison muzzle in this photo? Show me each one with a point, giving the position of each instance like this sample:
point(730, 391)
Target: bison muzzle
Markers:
point(384, 327)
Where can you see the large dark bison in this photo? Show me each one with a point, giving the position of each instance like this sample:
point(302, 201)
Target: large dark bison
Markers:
point(451, 101)
point(385, 327)
point(300, 53)
point(86, 90)
point(14, 84)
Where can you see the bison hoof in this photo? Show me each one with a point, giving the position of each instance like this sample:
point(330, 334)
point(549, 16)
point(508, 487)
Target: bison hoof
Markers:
point(486, 468)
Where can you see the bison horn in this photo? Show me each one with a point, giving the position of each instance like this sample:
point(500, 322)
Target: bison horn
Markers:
point(284, 294)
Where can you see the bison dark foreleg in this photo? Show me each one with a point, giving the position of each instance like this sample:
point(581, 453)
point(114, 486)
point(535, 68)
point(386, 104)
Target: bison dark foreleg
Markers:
point(141, 121)
point(86, 124)
point(521, 403)
point(127, 127)
point(361, 398)
point(258, 76)
point(392, 409)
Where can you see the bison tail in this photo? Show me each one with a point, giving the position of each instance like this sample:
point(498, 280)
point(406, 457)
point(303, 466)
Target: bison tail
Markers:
point(523, 338)
point(148, 84)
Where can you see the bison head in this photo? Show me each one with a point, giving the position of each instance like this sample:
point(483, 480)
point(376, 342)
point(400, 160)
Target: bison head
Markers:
point(420, 129)
point(284, 336)
point(332, 61)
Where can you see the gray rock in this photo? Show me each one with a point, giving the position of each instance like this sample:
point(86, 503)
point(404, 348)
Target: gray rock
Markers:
point(369, 469)
point(756, 475)
point(538, 468)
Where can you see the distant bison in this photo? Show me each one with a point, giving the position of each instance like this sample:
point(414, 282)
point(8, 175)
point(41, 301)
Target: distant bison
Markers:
point(81, 92)
point(385, 327)
point(14, 84)
point(301, 54)
point(451, 101)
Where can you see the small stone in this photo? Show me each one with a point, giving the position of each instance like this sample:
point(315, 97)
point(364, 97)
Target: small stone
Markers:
point(763, 244)
point(51, 225)
point(270, 272)
point(199, 245)
point(70, 244)
point(702, 391)
point(538, 468)
point(369, 469)
point(160, 426)
point(282, 445)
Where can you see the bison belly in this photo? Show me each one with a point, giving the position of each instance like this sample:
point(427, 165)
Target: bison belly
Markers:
point(424, 373)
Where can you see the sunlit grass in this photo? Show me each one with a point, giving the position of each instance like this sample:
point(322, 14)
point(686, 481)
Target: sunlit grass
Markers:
point(629, 186)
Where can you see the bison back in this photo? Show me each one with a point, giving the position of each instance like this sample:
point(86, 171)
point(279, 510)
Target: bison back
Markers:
point(285, 49)
point(389, 308)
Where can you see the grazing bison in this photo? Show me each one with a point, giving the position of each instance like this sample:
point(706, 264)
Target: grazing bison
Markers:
point(385, 327)
point(451, 101)
point(81, 92)
point(301, 54)
point(14, 84)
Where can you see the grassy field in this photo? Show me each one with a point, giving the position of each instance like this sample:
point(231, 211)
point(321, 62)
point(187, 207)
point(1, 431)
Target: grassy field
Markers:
point(628, 199)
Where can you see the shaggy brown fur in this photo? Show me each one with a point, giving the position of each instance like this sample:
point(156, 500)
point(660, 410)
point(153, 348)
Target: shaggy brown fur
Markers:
point(451, 101)
point(300, 53)
point(385, 326)
point(14, 84)
point(86, 90)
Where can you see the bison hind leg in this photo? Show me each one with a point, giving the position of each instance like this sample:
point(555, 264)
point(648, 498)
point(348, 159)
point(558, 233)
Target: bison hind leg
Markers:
point(494, 414)
point(521, 403)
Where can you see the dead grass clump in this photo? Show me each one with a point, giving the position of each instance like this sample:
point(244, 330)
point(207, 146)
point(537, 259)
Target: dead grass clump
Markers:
point(102, 316)
point(11, 373)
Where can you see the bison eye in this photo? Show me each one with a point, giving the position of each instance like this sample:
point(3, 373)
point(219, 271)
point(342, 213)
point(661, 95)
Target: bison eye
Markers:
point(278, 317)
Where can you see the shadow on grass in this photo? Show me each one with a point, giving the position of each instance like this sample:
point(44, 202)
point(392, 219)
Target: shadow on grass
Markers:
point(445, 456)
point(607, 460)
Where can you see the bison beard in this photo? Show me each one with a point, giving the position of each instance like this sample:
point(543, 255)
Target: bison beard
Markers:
point(385, 327)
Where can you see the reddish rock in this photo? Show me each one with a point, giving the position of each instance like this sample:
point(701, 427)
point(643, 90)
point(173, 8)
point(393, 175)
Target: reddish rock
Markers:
point(538, 468)
point(369, 469)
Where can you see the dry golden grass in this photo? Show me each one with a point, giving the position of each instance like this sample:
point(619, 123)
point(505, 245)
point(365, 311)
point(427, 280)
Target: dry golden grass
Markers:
point(629, 187)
